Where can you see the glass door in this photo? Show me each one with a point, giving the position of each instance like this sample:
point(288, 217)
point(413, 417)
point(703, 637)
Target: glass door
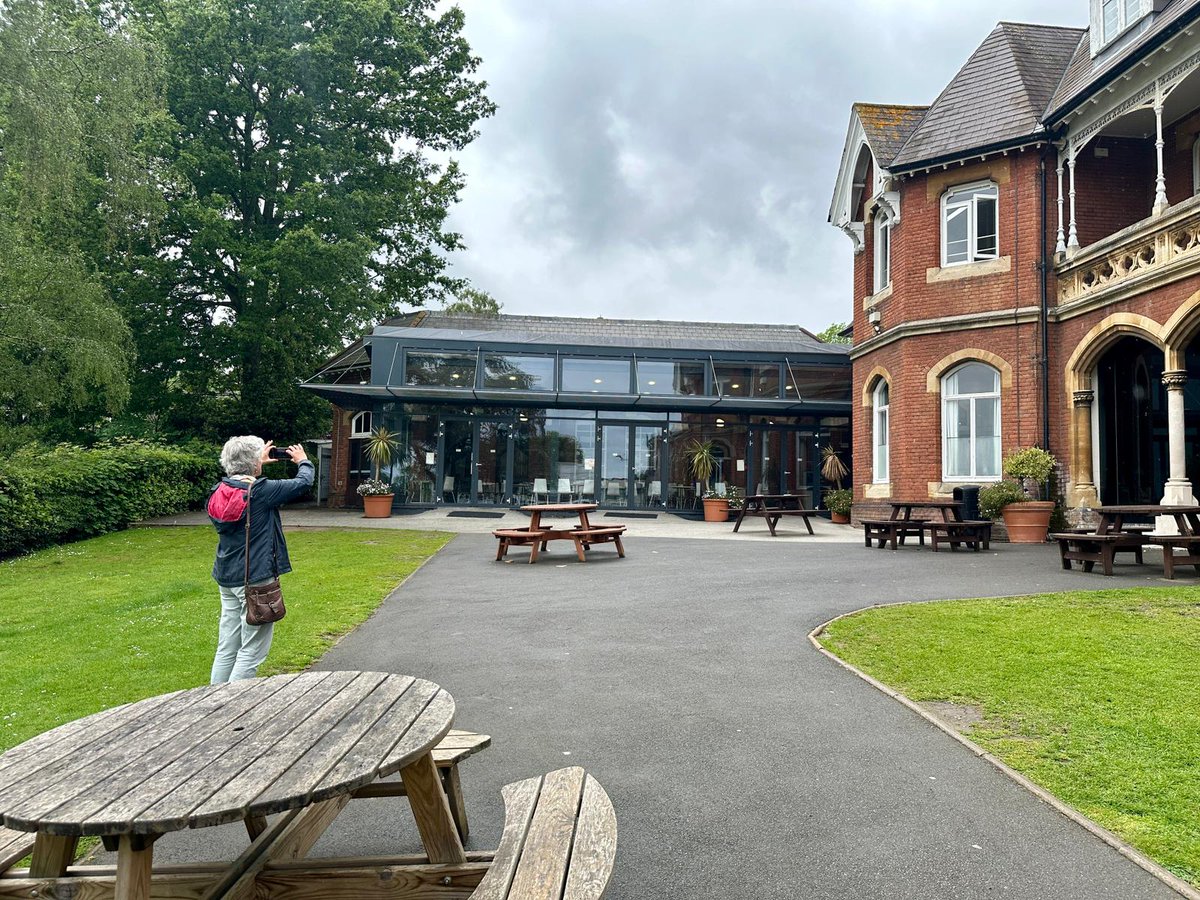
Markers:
point(769, 463)
point(804, 477)
point(457, 464)
point(491, 467)
point(614, 465)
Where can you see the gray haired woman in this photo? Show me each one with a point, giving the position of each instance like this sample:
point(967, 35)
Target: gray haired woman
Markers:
point(241, 648)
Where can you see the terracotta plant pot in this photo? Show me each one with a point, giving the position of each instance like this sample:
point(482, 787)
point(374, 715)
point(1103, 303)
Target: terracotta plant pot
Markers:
point(716, 510)
point(839, 518)
point(1028, 523)
point(377, 506)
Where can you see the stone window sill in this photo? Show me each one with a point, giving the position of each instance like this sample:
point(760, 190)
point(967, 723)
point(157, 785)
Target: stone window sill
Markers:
point(936, 275)
point(881, 491)
point(872, 299)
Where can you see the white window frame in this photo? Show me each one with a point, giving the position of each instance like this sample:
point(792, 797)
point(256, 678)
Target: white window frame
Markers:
point(883, 261)
point(969, 208)
point(1123, 19)
point(974, 475)
point(880, 426)
point(356, 424)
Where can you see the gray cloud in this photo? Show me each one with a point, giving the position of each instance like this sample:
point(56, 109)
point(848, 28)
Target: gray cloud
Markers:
point(661, 159)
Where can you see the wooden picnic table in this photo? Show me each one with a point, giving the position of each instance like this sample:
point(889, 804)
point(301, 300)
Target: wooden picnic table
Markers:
point(773, 507)
point(536, 535)
point(297, 745)
point(535, 511)
point(951, 510)
point(1113, 535)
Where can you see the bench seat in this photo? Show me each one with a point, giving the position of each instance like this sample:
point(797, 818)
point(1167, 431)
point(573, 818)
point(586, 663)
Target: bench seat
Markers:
point(559, 840)
point(598, 534)
point(1189, 543)
point(975, 533)
point(456, 746)
point(892, 531)
point(14, 847)
point(520, 537)
point(1089, 549)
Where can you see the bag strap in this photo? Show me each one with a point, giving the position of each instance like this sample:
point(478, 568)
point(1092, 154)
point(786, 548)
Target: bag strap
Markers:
point(247, 578)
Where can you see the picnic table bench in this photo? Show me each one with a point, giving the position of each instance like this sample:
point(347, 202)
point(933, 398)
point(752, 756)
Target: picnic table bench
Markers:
point(1114, 535)
point(975, 533)
point(774, 507)
point(297, 748)
point(891, 531)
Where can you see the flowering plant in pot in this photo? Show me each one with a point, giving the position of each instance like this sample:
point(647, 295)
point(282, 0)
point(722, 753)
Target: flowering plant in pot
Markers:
point(838, 502)
point(377, 494)
point(1026, 518)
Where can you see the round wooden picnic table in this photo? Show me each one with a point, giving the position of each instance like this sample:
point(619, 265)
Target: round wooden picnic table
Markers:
point(535, 511)
point(224, 753)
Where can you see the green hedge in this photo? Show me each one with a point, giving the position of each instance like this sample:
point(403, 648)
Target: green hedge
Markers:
point(53, 495)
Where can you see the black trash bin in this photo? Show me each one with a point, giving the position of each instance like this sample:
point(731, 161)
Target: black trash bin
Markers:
point(969, 497)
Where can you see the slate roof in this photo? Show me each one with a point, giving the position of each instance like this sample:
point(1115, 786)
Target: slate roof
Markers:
point(997, 97)
point(887, 127)
point(1084, 74)
point(601, 332)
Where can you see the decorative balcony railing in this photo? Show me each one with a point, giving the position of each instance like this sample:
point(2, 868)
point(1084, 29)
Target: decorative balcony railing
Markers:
point(1147, 253)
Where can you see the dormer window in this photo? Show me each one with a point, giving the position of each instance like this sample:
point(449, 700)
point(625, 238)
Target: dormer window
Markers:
point(1110, 18)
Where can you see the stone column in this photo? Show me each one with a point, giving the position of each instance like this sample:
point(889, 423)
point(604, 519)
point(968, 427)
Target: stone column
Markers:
point(1083, 485)
point(1178, 490)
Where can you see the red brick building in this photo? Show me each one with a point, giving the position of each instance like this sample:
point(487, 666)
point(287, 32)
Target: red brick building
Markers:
point(1027, 263)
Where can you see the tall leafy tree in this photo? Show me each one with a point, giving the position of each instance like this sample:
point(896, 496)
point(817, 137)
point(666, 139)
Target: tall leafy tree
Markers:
point(313, 145)
point(80, 114)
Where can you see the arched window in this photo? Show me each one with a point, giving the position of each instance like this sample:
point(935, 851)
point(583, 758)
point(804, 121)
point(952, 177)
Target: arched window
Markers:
point(883, 251)
point(360, 425)
point(881, 405)
point(970, 224)
point(971, 423)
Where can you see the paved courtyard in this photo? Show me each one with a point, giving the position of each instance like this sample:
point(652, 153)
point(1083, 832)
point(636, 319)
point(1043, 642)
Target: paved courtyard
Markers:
point(741, 762)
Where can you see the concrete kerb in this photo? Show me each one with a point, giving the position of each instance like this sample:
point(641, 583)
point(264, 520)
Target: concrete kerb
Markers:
point(1133, 855)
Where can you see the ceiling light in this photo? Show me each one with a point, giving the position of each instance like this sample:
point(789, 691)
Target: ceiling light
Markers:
point(788, 387)
point(598, 381)
point(512, 377)
point(652, 383)
point(735, 385)
point(455, 375)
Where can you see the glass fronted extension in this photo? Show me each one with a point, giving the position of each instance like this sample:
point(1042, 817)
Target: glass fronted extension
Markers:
point(506, 421)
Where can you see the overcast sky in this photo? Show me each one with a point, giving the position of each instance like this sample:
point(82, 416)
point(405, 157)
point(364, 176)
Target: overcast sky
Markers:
point(675, 159)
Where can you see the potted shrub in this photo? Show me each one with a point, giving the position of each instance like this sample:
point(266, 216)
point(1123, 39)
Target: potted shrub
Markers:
point(377, 494)
point(838, 502)
point(703, 462)
point(1026, 518)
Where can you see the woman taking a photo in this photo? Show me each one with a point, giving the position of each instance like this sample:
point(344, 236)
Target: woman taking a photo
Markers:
point(241, 648)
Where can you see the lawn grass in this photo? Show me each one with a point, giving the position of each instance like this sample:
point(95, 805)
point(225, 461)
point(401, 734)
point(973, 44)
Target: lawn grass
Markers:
point(101, 622)
point(1093, 695)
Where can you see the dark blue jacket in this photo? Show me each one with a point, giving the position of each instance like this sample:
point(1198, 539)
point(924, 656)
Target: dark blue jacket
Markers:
point(268, 549)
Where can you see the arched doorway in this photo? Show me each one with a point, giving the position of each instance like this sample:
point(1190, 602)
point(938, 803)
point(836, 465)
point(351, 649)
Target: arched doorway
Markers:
point(1132, 423)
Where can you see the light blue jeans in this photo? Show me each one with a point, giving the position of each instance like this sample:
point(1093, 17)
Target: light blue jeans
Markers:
point(241, 648)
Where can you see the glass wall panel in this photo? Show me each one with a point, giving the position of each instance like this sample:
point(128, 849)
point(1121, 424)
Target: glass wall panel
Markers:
point(492, 482)
point(729, 437)
point(648, 487)
point(818, 383)
point(746, 380)
point(670, 378)
point(596, 376)
point(440, 369)
point(518, 373)
point(769, 462)
point(803, 477)
point(415, 466)
point(554, 458)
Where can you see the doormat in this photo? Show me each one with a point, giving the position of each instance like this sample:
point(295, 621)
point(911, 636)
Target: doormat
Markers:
point(474, 514)
point(630, 515)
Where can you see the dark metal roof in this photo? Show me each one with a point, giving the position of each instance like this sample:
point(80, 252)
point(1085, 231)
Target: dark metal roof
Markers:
point(636, 334)
point(1084, 74)
point(997, 97)
point(887, 127)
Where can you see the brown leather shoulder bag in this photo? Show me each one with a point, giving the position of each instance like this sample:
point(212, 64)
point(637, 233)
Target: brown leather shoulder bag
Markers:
point(264, 602)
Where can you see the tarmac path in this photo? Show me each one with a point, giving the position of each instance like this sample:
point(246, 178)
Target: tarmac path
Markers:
point(741, 762)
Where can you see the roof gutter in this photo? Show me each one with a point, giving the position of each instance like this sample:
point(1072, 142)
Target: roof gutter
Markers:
point(966, 156)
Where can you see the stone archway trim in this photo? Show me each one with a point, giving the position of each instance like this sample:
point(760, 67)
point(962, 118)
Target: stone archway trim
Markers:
point(1097, 341)
point(933, 381)
point(1179, 330)
point(872, 378)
